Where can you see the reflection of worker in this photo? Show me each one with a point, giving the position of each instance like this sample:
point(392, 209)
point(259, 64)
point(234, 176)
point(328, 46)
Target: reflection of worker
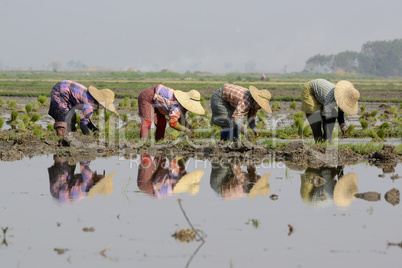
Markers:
point(68, 95)
point(162, 178)
point(67, 186)
point(230, 102)
point(320, 101)
point(341, 191)
point(156, 102)
point(231, 182)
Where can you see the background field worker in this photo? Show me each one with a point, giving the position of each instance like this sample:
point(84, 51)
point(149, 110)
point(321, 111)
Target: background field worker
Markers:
point(323, 103)
point(230, 102)
point(67, 95)
point(157, 102)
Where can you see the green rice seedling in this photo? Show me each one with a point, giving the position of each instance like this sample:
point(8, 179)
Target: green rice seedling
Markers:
point(393, 110)
point(2, 101)
point(398, 149)
point(123, 117)
point(374, 113)
point(13, 116)
point(107, 115)
point(293, 105)
point(11, 103)
point(25, 119)
point(35, 117)
point(35, 106)
point(1, 122)
point(21, 126)
point(364, 123)
point(297, 115)
point(126, 101)
point(42, 99)
point(307, 132)
point(28, 108)
point(50, 127)
point(121, 104)
point(202, 101)
point(37, 132)
point(276, 106)
point(381, 133)
point(385, 125)
point(134, 104)
point(363, 108)
point(350, 129)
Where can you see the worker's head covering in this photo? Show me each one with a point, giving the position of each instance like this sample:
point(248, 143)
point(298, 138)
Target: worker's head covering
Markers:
point(261, 187)
point(345, 190)
point(189, 183)
point(347, 97)
point(104, 186)
point(105, 97)
point(191, 101)
point(262, 97)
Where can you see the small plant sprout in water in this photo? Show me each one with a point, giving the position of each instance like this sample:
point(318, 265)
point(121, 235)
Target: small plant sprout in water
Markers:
point(11, 104)
point(293, 105)
point(2, 101)
point(254, 222)
point(364, 123)
point(374, 113)
point(28, 108)
point(276, 106)
point(35, 118)
point(363, 108)
point(42, 99)
point(134, 104)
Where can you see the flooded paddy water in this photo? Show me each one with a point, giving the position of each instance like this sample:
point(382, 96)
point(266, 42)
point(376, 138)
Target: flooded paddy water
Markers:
point(131, 212)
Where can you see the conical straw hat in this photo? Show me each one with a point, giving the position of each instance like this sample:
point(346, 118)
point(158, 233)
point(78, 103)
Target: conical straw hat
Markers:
point(262, 97)
point(105, 97)
point(345, 190)
point(191, 101)
point(347, 97)
point(189, 183)
point(104, 186)
point(261, 187)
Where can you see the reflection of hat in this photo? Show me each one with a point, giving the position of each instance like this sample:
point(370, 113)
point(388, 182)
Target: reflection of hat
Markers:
point(105, 97)
point(191, 101)
point(104, 186)
point(262, 97)
point(189, 183)
point(345, 189)
point(346, 97)
point(261, 187)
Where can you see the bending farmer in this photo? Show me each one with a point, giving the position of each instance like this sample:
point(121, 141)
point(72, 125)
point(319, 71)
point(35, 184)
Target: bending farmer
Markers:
point(231, 102)
point(320, 101)
point(156, 102)
point(67, 95)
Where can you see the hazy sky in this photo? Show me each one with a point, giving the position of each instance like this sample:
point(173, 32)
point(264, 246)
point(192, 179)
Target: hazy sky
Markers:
point(209, 35)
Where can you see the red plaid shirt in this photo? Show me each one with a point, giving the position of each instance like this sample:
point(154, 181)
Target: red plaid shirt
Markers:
point(240, 98)
point(166, 103)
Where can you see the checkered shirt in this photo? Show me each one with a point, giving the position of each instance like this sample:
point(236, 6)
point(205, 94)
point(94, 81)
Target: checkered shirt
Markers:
point(167, 104)
point(323, 90)
point(239, 98)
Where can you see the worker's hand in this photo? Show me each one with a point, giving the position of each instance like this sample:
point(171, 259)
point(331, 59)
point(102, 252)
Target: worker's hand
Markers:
point(189, 133)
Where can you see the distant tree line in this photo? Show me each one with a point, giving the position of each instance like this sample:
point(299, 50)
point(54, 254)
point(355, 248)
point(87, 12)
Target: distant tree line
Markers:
point(379, 58)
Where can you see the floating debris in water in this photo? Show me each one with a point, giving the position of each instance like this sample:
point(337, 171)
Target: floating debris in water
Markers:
point(392, 196)
point(290, 229)
point(61, 251)
point(274, 197)
point(395, 244)
point(369, 196)
point(185, 235)
point(88, 229)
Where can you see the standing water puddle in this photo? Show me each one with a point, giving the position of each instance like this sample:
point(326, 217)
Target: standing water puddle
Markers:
point(52, 214)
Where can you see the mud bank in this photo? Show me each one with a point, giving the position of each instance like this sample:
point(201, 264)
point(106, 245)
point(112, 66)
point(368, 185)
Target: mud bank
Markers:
point(296, 155)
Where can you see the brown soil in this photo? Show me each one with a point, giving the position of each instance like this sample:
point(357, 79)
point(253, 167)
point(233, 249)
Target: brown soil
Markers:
point(296, 155)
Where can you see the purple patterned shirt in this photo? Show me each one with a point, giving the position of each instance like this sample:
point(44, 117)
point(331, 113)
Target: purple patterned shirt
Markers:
point(73, 94)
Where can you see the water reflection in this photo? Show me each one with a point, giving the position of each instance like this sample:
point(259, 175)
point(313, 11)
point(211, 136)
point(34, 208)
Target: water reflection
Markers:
point(231, 182)
point(160, 177)
point(68, 187)
point(319, 187)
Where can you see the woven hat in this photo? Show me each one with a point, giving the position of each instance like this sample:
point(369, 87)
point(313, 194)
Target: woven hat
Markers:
point(262, 97)
point(191, 101)
point(261, 187)
point(346, 97)
point(189, 183)
point(104, 186)
point(105, 97)
point(345, 190)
